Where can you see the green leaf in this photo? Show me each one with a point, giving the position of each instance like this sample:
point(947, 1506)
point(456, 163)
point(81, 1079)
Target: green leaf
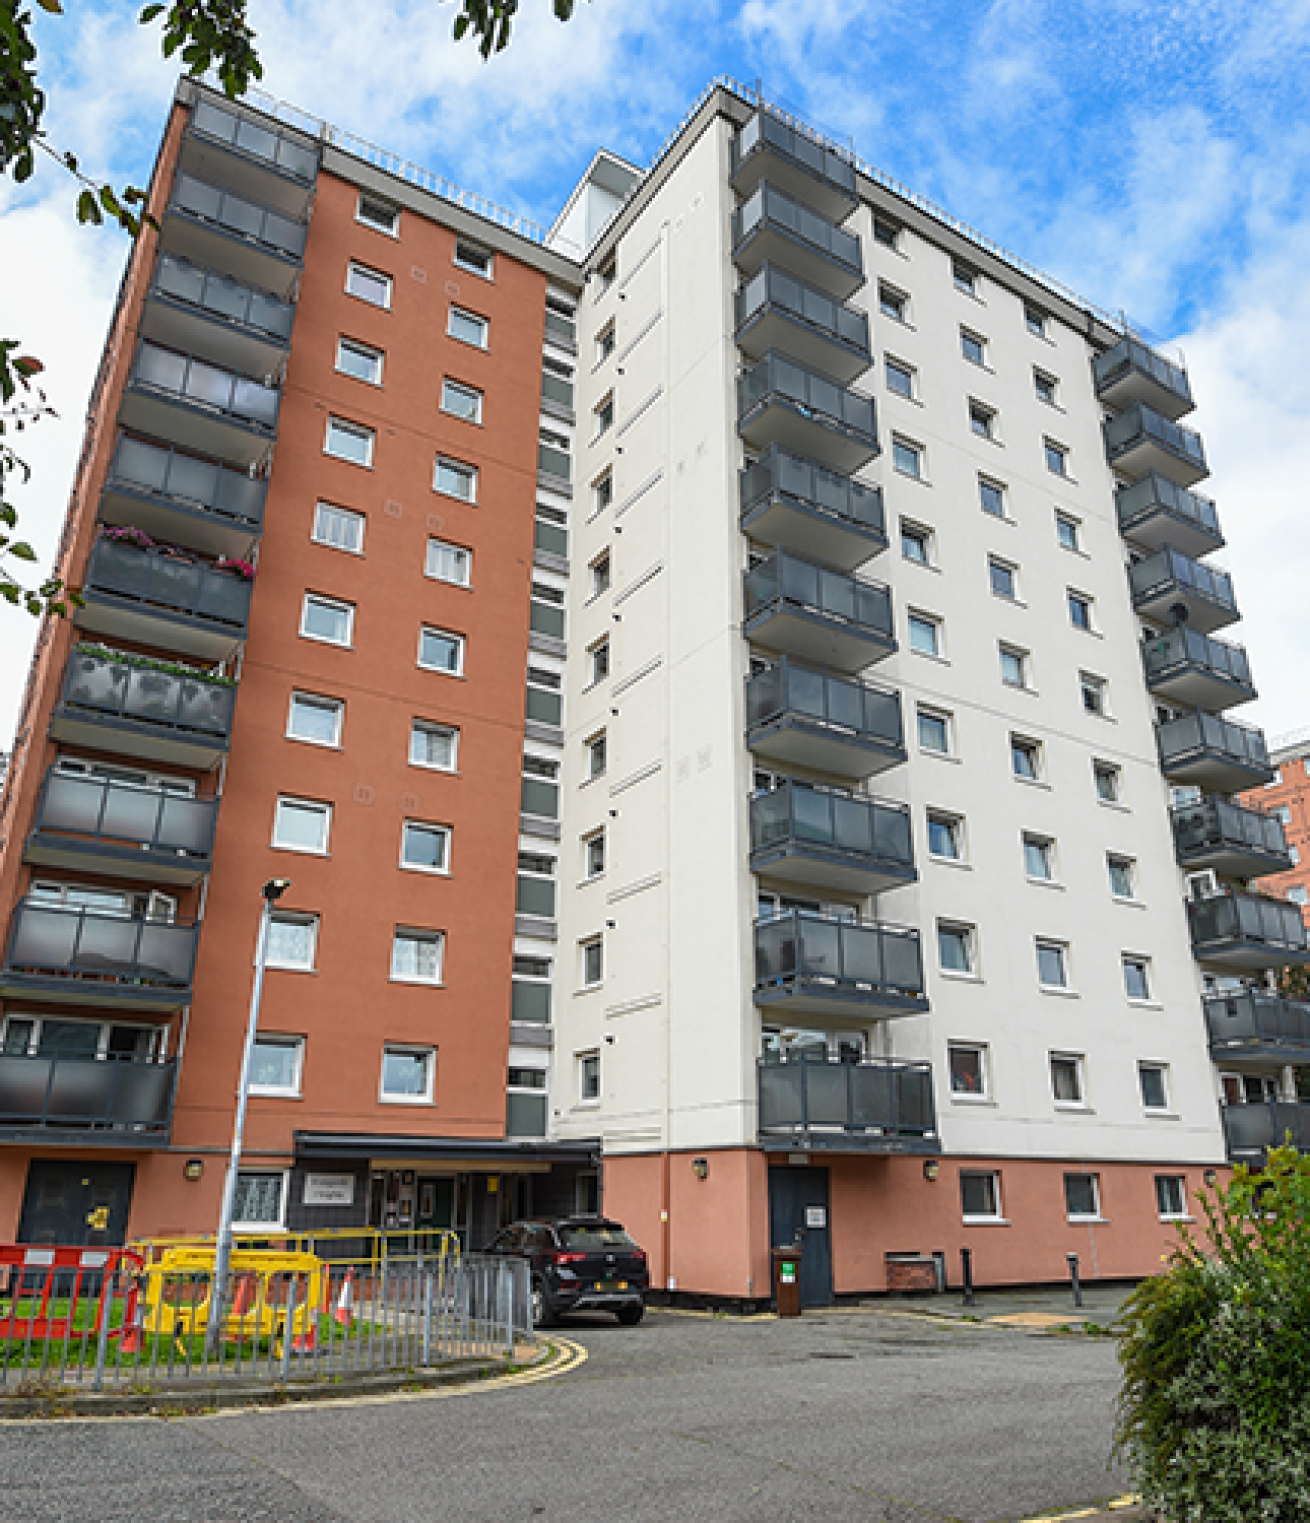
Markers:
point(21, 551)
point(149, 14)
point(52, 6)
point(87, 208)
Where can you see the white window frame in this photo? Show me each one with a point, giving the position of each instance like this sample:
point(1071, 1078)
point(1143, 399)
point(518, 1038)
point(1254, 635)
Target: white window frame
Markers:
point(602, 491)
point(335, 603)
point(596, 745)
point(1082, 1216)
point(594, 840)
point(904, 370)
point(969, 940)
point(415, 933)
point(981, 1096)
point(954, 825)
point(354, 430)
point(1135, 960)
point(426, 827)
point(1166, 1107)
point(432, 726)
point(1080, 1075)
point(1066, 521)
point(263, 1227)
point(922, 619)
point(1099, 687)
point(1115, 859)
point(1170, 1215)
point(368, 352)
point(601, 574)
point(921, 535)
point(602, 416)
point(1087, 603)
point(1034, 321)
point(606, 341)
point(588, 1063)
point(989, 482)
point(460, 260)
point(350, 515)
point(964, 278)
point(979, 1219)
point(388, 230)
point(460, 550)
point(1033, 748)
point(913, 451)
point(297, 1045)
point(983, 420)
point(1044, 379)
point(893, 302)
point(587, 945)
point(1045, 846)
point(408, 1049)
point(460, 644)
point(462, 471)
point(1021, 661)
point(300, 918)
point(924, 710)
point(318, 805)
point(968, 336)
point(354, 266)
point(1108, 770)
point(1061, 948)
point(999, 563)
point(483, 325)
point(598, 651)
point(1056, 456)
point(451, 386)
point(338, 707)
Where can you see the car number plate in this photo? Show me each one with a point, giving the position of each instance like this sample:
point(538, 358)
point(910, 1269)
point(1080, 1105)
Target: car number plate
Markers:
point(607, 1285)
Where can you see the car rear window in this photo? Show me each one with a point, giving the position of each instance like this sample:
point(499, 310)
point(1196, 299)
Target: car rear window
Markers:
point(594, 1239)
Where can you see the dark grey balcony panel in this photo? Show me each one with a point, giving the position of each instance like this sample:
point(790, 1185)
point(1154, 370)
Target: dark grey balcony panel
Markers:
point(1236, 929)
point(804, 834)
point(181, 498)
point(251, 158)
point(822, 1104)
point(93, 825)
point(1134, 372)
point(180, 399)
point(1258, 1028)
point(525, 1115)
point(1140, 440)
point(831, 724)
point(1169, 583)
point(805, 413)
point(774, 228)
point(775, 310)
point(89, 1101)
point(1233, 841)
point(222, 231)
point(1216, 754)
point(788, 155)
point(843, 970)
point(215, 317)
point(153, 597)
point(830, 618)
point(1196, 670)
point(797, 504)
point(1251, 1130)
point(87, 957)
point(1155, 512)
point(116, 702)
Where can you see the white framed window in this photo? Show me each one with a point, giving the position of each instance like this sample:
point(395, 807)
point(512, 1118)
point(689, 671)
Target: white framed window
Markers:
point(361, 361)
point(945, 836)
point(441, 651)
point(327, 619)
point(591, 962)
point(455, 479)
point(416, 956)
point(606, 339)
point(461, 401)
point(593, 854)
point(1067, 1078)
point(1123, 876)
point(407, 1076)
point(957, 948)
point(1153, 1081)
point(302, 825)
point(964, 278)
point(351, 442)
point(599, 574)
point(1014, 666)
point(377, 215)
point(467, 327)
point(1039, 858)
point(991, 497)
point(530, 994)
point(973, 347)
point(545, 702)
point(1108, 780)
point(1068, 532)
point(338, 528)
point(1082, 1197)
point(893, 303)
point(589, 1078)
point(597, 755)
point(907, 457)
point(980, 1195)
point(598, 661)
point(602, 491)
point(557, 383)
point(449, 563)
point(260, 1199)
point(275, 1064)
point(916, 543)
point(1026, 758)
point(561, 320)
point(1052, 964)
point(315, 719)
point(967, 1065)
point(368, 285)
point(934, 728)
point(982, 420)
point(1034, 321)
point(1004, 578)
point(1080, 610)
point(433, 745)
point(900, 377)
point(425, 848)
point(540, 792)
point(1171, 1197)
point(1137, 977)
point(292, 941)
point(1095, 693)
point(886, 232)
point(476, 260)
point(925, 633)
point(602, 416)
point(1057, 457)
point(1044, 386)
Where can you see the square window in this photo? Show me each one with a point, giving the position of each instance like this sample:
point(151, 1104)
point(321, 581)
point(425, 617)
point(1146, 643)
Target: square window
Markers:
point(907, 458)
point(593, 855)
point(433, 745)
point(260, 1198)
point(1122, 876)
point(1003, 579)
point(606, 340)
point(1026, 758)
point(991, 494)
point(1034, 321)
point(886, 232)
point(600, 574)
point(461, 401)
point(351, 442)
point(359, 360)
point(1039, 858)
point(369, 285)
point(455, 479)
point(326, 619)
point(945, 836)
point(292, 941)
point(441, 651)
point(598, 660)
point(316, 720)
point(407, 1074)
point(1080, 610)
point(602, 492)
point(968, 1069)
point(275, 1065)
point(892, 303)
point(561, 321)
point(1093, 690)
point(477, 261)
point(1066, 532)
point(1137, 978)
point(449, 563)
point(900, 378)
point(416, 956)
point(302, 825)
point(1014, 666)
point(1067, 1079)
point(1108, 779)
point(973, 348)
point(1044, 387)
point(1154, 1081)
point(592, 958)
point(603, 416)
point(589, 1078)
point(338, 527)
point(934, 731)
point(916, 543)
point(425, 847)
point(1082, 1197)
point(1057, 457)
point(925, 634)
point(955, 946)
point(1052, 965)
point(982, 420)
point(1171, 1196)
point(980, 1195)
point(964, 278)
point(467, 327)
point(378, 215)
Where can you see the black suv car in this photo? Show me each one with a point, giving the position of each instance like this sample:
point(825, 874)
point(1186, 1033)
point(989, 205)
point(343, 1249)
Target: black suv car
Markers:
point(579, 1263)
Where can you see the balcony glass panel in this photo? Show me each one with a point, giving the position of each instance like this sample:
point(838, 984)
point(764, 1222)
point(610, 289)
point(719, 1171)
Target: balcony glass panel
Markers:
point(120, 814)
point(830, 492)
point(61, 940)
point(223, 297)
point(788, 581)
point(1183, 647)
point(234, 214)
point(816, 817)
point(1193, 737)
point(196, 381)
point(1139, 424)
point(170, 582)
point(119, 685)
point(1252, 1129)
point(1217, 823)
point(289, 154)
point(847, 956)
point(156, 469)
point(776, 378)
point(765, 130)
point(1259, 1021)
point(1155, 495)
point(105, 1094)
point(1130, 354)
point(1235, 916)
point(774, 287)
point(835, 702)
point(825, 1102)
point(769, 206)
point(1167, 570)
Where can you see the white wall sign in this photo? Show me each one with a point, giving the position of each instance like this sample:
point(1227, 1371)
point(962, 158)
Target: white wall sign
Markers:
point(329, 1190)
point(816, 1216)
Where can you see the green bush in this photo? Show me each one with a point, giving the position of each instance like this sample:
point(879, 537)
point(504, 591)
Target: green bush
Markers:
point(1214, 1412)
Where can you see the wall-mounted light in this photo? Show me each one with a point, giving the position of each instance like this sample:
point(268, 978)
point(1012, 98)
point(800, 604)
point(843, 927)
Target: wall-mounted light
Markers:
point(700, 1167)
point(931, 1169)
point(193, 1168)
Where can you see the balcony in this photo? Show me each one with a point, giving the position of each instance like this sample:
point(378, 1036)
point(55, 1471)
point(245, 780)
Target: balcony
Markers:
point(113, 701)
point(1237, 929)
point(831, 618)
point(814, 836)
point(89, 824)
point(228, 322)
point(1132, 372)
point(1260, 1028)
point(1251, 1130)
point(222, 231)
point(87, 957)
point(769, 147)
point(794, 504)
point(174, 496)
point(1213, 753)
point(772, 228)
point(805, 413)
point(164, 598)
point(1141, 440)
point(857, 970)
point(810, 719)
point(1230, 840)
point(88, 1101)
point(249, 156)
point(777, 311)
point(824, 1105)
point(187, 401)
point(1171, 588)
point(1155, 512)
point(1196, 670)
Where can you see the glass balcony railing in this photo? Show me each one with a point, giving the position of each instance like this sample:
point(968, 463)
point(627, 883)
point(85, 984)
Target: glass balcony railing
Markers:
point(1251, 1130)
point(799, 505)
point(817, 1103)
point(1190, 667)
point(147, 824)
point(1168, 580)
point(1139, 440)
point(865, 841)
point(807, 610)
point(1157, 512)
point(165, 582)
point(1216, 833)
point(207, 486)
point(270, 146)
point(781, 402)
point(1132, 371)
point(768, 145)
point(105, 684)
point(811, 961)
point(1247, 930)
point(773, 226)
point(184, 378)
point(85, 952)
point(1212, 752)
point(244, 219)
point(219, 296)
point(773, 307)
point(89, 1096)
point(1258, 1026)
point(834, 724)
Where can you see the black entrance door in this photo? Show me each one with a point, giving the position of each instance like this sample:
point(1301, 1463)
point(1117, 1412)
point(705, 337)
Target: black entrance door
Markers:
point(79, 1204)
point(798, 1212)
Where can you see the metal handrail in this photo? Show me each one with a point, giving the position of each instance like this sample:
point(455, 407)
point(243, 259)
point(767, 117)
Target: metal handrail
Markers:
point(769, 204)
point(1140, 421)
point(1200, 731)
point(853, 957)
point(772, 287)
point(1217, 822)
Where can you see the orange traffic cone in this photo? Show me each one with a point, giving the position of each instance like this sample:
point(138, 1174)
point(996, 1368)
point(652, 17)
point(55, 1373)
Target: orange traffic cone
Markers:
point(306, 1342)
point(345, 1312)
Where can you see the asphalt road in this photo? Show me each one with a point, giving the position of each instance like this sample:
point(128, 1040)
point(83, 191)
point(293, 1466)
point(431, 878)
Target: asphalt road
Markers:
point(840, 1416)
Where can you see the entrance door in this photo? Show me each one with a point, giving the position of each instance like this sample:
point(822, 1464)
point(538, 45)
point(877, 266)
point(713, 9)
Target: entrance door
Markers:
point(798, 1212)
point(436, 1207)
point(77, 1204)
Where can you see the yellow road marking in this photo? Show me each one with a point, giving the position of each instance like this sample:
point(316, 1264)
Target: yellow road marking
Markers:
point(1086, 1512)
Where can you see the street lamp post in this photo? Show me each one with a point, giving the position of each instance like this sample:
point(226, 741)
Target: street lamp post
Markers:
point(272, 892)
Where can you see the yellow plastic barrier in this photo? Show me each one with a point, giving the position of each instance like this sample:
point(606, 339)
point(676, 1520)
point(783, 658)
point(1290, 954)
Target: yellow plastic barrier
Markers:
point(377, 1243)
point(178, 1283)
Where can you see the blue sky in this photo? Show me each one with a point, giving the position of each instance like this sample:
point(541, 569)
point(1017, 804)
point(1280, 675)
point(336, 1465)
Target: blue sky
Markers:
point(1152, 154)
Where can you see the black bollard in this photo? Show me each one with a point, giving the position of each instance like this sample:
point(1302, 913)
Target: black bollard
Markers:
point(966, 1269)
point(1073, 1275)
